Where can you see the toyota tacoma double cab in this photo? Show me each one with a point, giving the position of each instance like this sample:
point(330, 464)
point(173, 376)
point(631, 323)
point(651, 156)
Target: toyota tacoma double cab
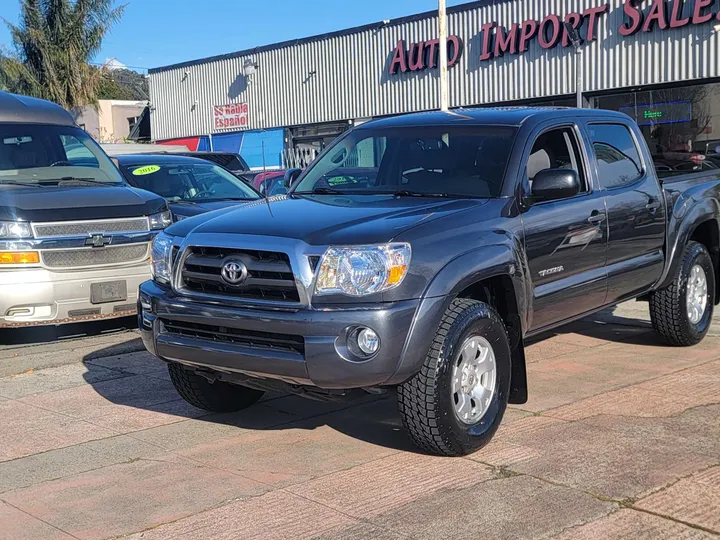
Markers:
point(419, 253)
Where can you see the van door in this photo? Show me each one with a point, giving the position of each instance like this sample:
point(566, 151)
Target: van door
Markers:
point(566, 239)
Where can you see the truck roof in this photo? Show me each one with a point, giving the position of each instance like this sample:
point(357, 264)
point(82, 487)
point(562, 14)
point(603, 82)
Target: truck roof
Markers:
point(498, 116)
point(28, 110)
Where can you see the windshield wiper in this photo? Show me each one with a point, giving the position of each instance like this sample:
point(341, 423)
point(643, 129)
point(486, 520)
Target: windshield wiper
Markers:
point(406, 193)
point(320, 191)
point(57, 181)
point(24, 184)
point(216, 199)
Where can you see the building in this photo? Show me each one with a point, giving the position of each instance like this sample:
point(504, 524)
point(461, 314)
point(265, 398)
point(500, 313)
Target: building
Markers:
point(112, 120)
point(657, 60)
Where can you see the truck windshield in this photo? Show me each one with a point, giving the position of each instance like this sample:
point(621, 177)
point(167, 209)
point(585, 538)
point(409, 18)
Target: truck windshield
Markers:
point(193, 181)
point(434, 161)
point(39, 154)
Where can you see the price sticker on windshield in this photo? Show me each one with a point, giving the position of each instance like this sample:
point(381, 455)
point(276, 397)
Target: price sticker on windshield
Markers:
point(147, 169)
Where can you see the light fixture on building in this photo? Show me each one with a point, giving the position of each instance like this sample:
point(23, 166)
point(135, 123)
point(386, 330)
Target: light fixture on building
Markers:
point(249, 68)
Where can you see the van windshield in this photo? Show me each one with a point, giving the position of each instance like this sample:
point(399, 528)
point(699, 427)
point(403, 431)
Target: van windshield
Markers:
point(433, 161)
point(41, 154)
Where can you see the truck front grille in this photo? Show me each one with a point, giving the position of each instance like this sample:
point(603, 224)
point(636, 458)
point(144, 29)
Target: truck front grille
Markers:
point(61, 229)
point(269, 275)
point(87, 257)
point(247, 338)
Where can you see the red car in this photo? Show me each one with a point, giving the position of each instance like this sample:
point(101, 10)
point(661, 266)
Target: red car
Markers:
point(269, 183)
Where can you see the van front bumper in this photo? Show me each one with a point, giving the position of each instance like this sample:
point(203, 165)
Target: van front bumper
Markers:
point(255, 342)
point(36, 296)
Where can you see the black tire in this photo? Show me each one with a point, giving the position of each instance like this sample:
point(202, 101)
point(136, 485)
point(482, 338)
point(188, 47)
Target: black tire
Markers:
point(426, 401)
point(668, 311)
point(216, 397)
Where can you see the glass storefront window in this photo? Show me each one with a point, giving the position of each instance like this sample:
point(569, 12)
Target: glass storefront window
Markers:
point(680, 125)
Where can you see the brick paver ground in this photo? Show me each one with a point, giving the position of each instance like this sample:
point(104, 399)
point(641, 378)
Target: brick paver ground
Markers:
point(620, 439)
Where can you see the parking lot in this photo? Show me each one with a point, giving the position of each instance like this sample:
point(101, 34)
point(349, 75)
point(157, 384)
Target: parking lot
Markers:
point(620, 439)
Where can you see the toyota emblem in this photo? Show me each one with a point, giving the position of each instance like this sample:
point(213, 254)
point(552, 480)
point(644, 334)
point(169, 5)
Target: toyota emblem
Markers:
point(234, 272)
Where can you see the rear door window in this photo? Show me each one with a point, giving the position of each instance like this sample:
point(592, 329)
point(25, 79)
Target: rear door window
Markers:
point(618, 158)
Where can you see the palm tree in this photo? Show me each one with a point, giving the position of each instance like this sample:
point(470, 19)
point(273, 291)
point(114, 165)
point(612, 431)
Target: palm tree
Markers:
point(55, 41)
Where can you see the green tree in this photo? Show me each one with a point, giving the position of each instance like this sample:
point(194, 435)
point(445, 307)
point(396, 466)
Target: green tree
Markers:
point(54, 41)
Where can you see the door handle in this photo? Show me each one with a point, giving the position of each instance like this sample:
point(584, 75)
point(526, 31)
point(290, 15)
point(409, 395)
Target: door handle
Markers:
point(653, 204)
point(596, 217)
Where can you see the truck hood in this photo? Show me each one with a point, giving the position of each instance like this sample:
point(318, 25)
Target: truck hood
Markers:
point(326, 219)
point(62, 203)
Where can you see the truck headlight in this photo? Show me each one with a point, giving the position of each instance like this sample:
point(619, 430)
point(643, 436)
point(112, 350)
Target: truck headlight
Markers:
point(15, 229)
point(160, 255)
point(362, 270)
point(161, 220)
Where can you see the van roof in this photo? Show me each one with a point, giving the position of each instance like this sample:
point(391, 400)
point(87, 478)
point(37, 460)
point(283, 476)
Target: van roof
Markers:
point(28, 110)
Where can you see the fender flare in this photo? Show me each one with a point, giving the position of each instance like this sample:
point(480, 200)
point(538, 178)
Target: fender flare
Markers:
point(681, 227)
point(465, 270)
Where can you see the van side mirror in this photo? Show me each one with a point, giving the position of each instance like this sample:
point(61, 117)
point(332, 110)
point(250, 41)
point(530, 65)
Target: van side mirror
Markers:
point(553, 184)
point(290, 176)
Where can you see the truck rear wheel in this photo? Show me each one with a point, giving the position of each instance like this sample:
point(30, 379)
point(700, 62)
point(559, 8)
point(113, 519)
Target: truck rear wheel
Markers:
point(216, 397)
point(456, 403)
point(682, 312)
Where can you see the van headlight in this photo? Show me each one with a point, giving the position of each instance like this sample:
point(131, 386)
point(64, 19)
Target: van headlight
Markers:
point(362, 270)
point(161, 220)
point(160, 256)
point(15, 229)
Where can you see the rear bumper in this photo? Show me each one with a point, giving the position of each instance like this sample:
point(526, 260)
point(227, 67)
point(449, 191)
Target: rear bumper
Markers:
point(321, 360)
point(36, 297)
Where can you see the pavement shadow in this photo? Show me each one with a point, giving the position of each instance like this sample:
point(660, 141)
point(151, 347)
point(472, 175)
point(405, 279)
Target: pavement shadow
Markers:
point(144, 385)
point(608, 326)
point(34, 335)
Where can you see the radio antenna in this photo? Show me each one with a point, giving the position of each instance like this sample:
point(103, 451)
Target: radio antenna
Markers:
point(264, 173)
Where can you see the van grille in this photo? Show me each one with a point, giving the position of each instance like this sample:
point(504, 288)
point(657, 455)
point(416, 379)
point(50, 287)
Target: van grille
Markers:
point(61, 229)
point(247, 338)
point(269, 275)
point(78, 258)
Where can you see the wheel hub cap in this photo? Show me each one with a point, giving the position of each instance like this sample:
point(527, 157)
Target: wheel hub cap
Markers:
point(697, 292)
point(473, 379)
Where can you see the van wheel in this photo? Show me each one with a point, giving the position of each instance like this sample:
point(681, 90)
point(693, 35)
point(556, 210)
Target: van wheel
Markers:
point(456, 403)
point(216, 397)
point(682, 312)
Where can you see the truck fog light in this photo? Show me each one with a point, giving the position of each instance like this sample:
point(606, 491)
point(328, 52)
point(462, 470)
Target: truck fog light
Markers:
point(368, 341)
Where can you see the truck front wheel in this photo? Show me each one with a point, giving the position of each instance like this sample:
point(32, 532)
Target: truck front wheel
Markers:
point(216, 397)
point(682, 312)
point(456, 403)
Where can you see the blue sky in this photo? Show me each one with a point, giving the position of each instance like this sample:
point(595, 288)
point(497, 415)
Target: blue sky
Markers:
point(159, 32)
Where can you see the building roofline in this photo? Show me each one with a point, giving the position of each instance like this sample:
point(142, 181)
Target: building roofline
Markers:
point(347, 31)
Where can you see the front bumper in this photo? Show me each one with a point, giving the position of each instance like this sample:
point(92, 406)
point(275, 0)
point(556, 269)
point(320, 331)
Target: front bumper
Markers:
point(36, 296)
point(322, 362)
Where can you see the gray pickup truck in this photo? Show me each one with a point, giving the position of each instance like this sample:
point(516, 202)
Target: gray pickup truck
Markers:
point(419, 253)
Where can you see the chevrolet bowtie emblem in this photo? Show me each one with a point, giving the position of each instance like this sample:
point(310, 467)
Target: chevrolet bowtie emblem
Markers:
point(98, 240)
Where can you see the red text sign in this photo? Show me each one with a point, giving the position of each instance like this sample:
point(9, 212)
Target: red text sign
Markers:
point(234, 115)
point(550, 32)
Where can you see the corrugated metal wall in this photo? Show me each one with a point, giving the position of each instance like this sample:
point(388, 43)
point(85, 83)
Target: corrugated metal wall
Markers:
point(346, 77)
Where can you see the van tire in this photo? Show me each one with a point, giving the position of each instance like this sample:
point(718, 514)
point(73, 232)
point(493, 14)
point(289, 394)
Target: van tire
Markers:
point(215, 397)
point(668, 307)
point(426, 401)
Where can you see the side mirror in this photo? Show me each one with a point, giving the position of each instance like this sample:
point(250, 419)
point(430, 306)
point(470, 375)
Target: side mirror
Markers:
point(290, 176)
point(552, 184)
